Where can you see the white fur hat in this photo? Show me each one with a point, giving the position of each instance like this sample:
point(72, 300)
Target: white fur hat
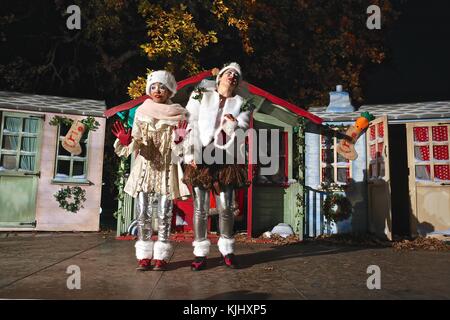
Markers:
point(233, 65)
point(164, 77)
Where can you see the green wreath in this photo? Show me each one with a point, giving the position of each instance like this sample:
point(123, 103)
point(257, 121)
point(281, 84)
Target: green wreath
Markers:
point(337, 207)
point(76, 193)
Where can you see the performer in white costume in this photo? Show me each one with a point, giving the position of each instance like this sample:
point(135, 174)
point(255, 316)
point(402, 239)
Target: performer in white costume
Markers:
point(215, 114)
point(154, 178)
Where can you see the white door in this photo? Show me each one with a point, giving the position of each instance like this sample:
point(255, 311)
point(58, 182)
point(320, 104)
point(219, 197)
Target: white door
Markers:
point(20, 147)
point(378, 179)
point(429, 176)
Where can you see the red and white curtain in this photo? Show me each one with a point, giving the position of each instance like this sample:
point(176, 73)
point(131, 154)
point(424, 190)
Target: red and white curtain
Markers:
point(439, 151)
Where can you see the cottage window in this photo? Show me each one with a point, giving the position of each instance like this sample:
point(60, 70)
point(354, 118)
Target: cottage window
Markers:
point(281, 176)
point(71, 168)
point(19, 142)
point(377, 151)
point(334, 167)
point(431, 153)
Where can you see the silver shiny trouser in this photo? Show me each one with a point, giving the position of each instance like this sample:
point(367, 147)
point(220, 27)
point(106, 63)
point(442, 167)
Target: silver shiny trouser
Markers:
point(225, 206)
point(149, 204)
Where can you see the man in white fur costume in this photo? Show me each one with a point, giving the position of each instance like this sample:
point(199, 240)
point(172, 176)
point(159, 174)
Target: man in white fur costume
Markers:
point(214, 116)
point(155, 181)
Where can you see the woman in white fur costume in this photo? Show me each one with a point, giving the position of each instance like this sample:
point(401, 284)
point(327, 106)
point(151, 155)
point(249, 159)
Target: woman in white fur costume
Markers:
point(155, 180)
point(214, 115)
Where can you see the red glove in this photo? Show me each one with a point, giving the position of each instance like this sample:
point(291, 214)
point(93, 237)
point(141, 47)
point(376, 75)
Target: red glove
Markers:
point(119, 131)
point(180, 131)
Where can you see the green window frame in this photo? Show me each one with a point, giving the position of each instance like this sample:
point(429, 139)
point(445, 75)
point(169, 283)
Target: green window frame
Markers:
point(70, 168)
point(20, 142)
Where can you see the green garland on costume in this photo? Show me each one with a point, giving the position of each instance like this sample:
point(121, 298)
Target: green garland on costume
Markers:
point(90, 122)
point(336, 207)
point(199, 93)
point(76, 193)
point(248, 105)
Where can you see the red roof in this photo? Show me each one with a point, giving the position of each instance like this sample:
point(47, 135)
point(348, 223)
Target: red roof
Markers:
point(199, 77)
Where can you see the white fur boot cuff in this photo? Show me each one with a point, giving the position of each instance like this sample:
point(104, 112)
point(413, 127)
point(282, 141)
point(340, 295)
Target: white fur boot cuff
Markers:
point(144, 249)
point(226, 246)
point(162, 250)
point(201, 248)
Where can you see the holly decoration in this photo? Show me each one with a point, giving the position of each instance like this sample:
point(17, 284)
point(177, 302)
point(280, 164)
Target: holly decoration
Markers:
point(75, 195)
point(89, 122)
point(57, 120)
point(248, 105)
point(199, 93)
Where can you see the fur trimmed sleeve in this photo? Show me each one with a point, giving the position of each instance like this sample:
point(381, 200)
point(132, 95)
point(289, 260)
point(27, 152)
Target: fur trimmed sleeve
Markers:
point(192, 107)
point(125, 151)
point(243, 119)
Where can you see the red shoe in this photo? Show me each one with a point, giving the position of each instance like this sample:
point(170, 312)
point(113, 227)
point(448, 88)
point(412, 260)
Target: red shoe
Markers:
point(160, 265)
point(230, 261)
point(198, 264)
point(144, 264)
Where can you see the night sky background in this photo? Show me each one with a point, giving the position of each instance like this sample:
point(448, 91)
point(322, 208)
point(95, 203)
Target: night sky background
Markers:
point(417, 67)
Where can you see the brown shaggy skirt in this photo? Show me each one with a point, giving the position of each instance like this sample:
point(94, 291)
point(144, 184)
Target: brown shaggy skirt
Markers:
point(215, 177)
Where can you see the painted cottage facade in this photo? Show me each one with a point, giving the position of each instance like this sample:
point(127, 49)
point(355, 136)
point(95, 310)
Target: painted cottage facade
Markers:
point(34, 166)
point(399, 185)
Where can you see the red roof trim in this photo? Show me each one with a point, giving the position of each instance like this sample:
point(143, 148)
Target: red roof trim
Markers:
point(125, 106)
point(199, 77)
point(291, 107)
point(132, 103)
